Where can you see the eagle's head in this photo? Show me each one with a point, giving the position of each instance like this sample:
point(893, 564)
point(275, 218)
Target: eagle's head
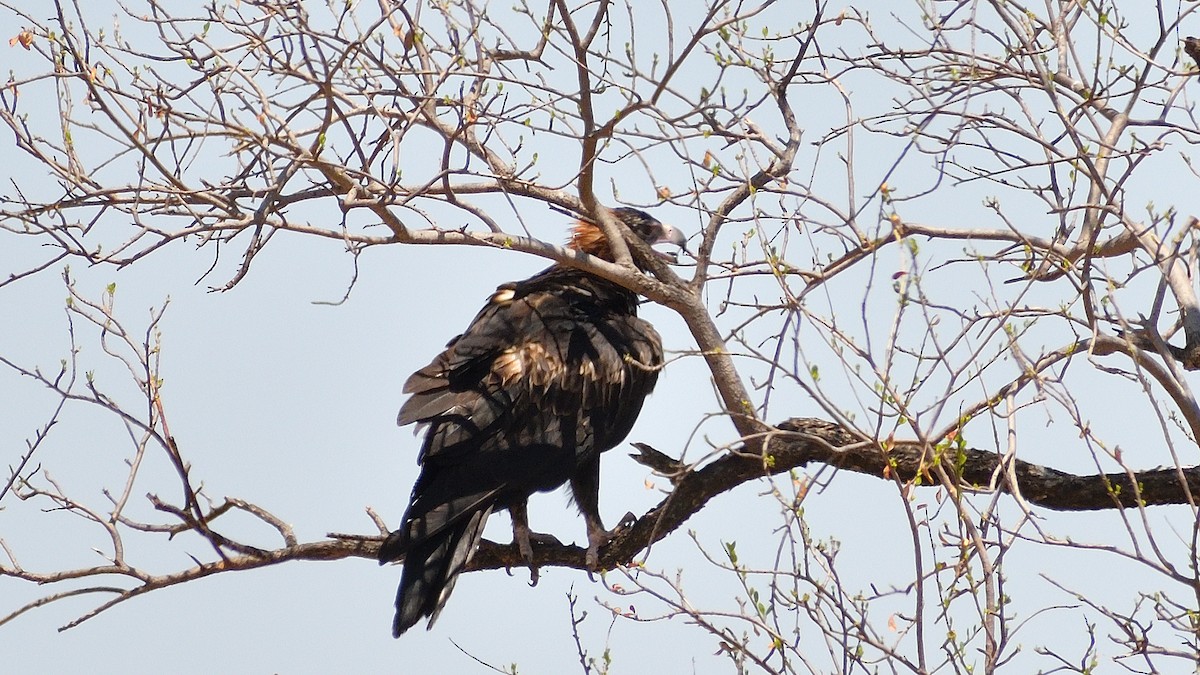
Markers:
point(589, 238)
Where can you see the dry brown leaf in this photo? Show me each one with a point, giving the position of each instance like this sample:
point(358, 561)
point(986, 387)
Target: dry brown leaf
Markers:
point(24, 38)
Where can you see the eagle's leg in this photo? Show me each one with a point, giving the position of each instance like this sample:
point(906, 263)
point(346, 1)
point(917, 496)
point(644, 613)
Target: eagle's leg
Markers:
point(585, 487)
point(523, 537)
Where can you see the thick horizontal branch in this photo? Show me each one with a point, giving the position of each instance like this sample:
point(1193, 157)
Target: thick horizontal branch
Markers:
point(801, 441)
point(810, 440)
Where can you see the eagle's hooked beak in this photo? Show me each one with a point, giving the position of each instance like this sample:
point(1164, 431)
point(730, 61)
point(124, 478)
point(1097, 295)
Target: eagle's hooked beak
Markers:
point(673, 236)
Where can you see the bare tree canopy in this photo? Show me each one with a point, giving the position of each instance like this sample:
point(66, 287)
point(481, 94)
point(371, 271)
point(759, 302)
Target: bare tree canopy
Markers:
point(940, 298)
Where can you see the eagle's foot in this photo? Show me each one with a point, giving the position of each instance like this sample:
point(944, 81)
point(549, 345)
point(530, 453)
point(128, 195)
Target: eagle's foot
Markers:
point(599, 537)
point(524, 538)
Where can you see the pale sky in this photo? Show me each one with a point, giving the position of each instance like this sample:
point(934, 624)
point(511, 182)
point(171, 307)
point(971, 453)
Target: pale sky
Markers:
point(289, 403)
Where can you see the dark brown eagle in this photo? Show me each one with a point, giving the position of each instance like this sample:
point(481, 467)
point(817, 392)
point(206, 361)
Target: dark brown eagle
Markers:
point(551, 373)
